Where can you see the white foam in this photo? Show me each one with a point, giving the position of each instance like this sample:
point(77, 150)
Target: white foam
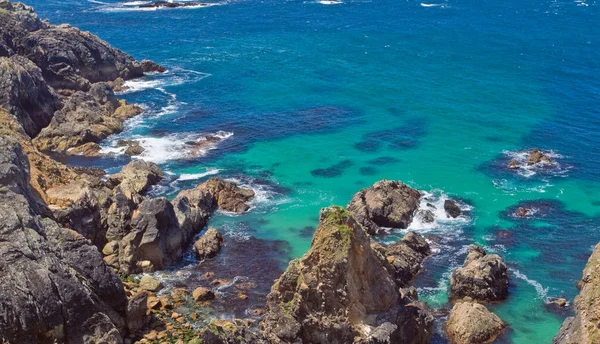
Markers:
point(541, 291)
point(430, 5)
point(175, 147)
point(136, 3)
point(527, 171)
point(329, 2)
point(441, 220)
point(264, 195)
point(194, 176)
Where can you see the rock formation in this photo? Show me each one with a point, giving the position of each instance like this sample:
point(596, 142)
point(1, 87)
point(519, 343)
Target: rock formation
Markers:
point(473, 323)
point(583, 327)
point(384, 204)
point(452, 209)
point(403, 259)
point(341, 292)
point(194, 206)
point(483, 277)
point(54, 284)
point(26, 95)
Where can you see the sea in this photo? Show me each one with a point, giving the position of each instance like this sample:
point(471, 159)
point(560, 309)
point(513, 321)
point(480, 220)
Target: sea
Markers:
point(307, 102)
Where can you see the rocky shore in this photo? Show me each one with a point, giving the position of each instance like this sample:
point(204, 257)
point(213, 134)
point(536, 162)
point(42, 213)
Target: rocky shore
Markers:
point(81, 251)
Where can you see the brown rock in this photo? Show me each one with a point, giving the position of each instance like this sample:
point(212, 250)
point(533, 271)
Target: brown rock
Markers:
point(385, 204)
point(209, 244)
point(150, 283)
point(483, 277)
point(203, 294)
point(536, 156)
point(472, 323)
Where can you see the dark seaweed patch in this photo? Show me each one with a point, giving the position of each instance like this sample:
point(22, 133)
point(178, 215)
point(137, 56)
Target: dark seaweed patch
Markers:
point(307, 232)
point(384, 160)
point(368, 146)
point(332, 171)
point(368, 171)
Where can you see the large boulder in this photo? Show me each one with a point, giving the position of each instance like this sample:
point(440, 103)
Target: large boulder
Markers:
point(209, 244)
point(483, 277)
point(194, 206)
point(55, 285)
point(583, 327)
point(404, 258)
point(25, 94)
point(385, 204)
point(473, 323)
point(341, 292)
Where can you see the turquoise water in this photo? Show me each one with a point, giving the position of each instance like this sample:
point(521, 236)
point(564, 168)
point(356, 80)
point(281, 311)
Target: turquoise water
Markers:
point(323, 100)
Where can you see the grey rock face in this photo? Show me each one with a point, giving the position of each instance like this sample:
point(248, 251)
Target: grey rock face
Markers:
point(55, 285)
point(26, 95)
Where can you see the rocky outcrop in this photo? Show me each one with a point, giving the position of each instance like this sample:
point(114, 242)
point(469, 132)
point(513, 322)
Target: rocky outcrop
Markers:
point(85, 118)
point(229, 332)
point(404, 258)
point(385, 204)
point(583, 327)
point(473, 323)
point(194, 206)
point(209, 244)
point(136, 178)
point(155, 240)
point(341, 292)
point(452, 209)
point(483, 277)
point(26, 95)
point(55, 286)
point(536, 156)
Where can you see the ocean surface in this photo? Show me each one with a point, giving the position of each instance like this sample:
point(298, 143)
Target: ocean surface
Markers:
point(314, 100)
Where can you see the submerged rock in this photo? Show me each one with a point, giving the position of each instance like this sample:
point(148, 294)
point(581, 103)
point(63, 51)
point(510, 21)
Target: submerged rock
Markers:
point(473, 323)
point(583, 327)
point(341, 292)
point(170, 4)
point(133, 147)
point(483, 277)
point(209, 244)
point(385, 204)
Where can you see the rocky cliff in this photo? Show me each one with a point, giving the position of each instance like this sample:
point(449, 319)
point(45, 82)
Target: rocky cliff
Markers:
point(583, 327)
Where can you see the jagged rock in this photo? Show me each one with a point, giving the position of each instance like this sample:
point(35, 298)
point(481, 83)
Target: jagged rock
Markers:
point(583, 327)
point(84, 118)
point(155, 241)
point(25, 94)
point(150, 283)
point(405, 257)
point(55, 285)
point(483, 277)
point(536, 156)
point(151, 67)
point(171, 4)
point(473, 323)
point(203, 294)
point(559, 302)
point(136, 312)
point(385, 204)
point(194, 206)
point(452, 209)
point(16, 21)
point(137, 177)
point(72, 59)
point(209, 244)
point(426, 216)
point(341, 292)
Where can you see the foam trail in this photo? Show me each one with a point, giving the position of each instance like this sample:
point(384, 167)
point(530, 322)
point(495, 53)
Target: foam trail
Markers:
point(434, 202)
point(541, 291)
point(194, 176)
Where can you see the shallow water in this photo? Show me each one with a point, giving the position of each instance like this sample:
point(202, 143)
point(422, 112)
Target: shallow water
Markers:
point(326, 97)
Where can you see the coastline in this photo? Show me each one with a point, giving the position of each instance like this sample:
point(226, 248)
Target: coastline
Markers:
point(80, 199)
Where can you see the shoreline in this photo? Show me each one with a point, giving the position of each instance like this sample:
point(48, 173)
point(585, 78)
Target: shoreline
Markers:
point(69, 203)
